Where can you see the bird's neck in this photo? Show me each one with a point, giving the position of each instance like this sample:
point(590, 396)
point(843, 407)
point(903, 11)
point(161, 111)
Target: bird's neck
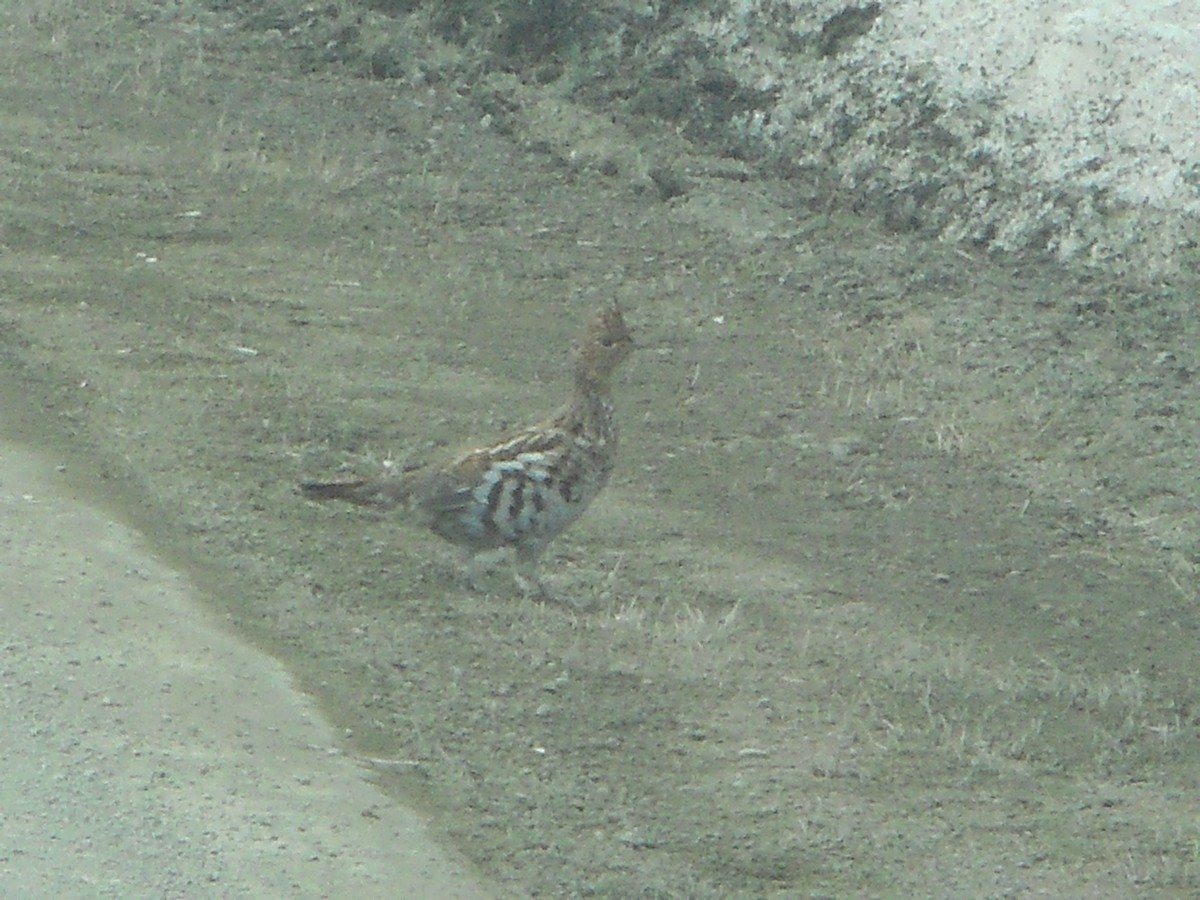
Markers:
point(590, 411)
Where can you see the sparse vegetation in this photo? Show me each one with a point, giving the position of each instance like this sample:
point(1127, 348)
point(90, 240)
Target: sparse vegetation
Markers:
point(893, 591)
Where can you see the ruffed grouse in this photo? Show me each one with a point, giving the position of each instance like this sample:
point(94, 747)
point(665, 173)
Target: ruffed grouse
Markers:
point(523, 491)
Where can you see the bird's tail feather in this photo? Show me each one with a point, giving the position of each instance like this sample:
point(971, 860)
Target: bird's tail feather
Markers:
point(390, 492)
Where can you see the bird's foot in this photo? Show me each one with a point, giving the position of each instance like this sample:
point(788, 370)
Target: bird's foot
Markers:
point(534, 588)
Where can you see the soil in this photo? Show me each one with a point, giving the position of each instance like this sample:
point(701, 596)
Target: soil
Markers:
point(893, 590)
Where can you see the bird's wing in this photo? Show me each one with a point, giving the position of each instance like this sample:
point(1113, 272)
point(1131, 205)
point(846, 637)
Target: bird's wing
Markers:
point(456, 486)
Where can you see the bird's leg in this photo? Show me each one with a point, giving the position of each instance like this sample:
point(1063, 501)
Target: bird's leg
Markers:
point(480, 564)
point(525, 572)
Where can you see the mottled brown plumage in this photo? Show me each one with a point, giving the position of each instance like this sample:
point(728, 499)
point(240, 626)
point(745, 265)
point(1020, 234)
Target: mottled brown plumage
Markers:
point(523, 491)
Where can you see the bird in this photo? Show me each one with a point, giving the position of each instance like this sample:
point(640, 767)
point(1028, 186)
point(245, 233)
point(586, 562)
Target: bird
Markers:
point(520, 493)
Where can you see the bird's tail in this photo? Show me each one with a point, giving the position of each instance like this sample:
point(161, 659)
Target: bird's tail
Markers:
point(386, 493)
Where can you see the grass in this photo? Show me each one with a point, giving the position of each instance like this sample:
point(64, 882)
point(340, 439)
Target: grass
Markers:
point(854, 617)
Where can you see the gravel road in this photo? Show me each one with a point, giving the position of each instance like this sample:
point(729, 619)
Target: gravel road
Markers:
point(148, 753)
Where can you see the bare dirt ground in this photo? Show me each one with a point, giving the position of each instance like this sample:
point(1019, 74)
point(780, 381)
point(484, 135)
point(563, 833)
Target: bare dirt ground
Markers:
point(894, 590)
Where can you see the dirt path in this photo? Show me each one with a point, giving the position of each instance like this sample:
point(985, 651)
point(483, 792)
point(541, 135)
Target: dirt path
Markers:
point(149, 753)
